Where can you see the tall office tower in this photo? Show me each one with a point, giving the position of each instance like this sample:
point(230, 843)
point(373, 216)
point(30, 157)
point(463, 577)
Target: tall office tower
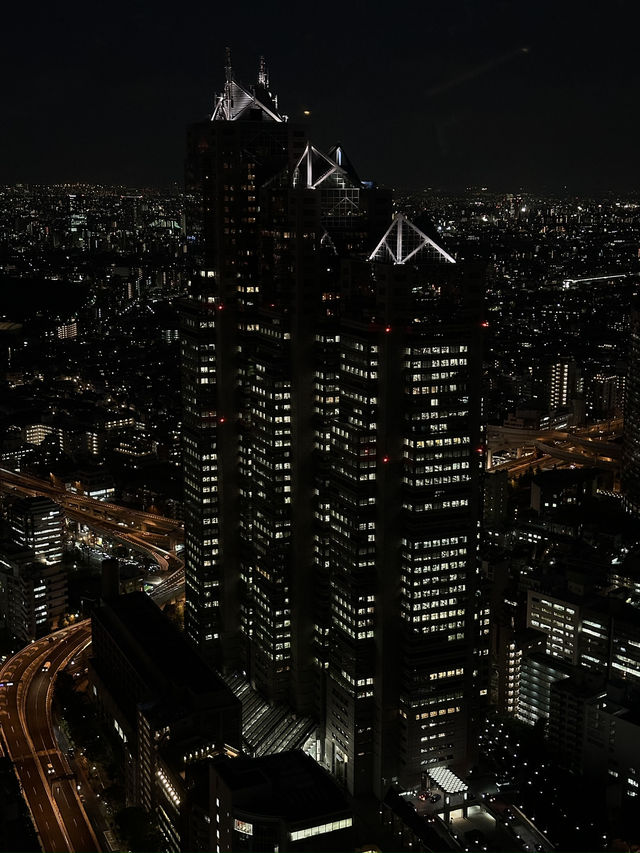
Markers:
point(36, 523)
point(332, 447)
point(246, 142)
point(407, 644)
point(276, 217)
point(631, 447)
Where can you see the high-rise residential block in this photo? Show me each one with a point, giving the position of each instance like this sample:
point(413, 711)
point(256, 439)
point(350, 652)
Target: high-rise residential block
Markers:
point(36, 523)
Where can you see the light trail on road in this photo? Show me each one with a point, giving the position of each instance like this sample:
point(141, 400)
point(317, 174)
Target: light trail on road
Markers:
point(46, 781)
point(26, 689)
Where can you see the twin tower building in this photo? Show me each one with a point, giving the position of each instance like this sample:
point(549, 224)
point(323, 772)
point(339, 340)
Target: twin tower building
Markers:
point(333, 448)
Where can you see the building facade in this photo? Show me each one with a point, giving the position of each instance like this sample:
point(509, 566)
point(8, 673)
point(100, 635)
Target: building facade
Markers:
point(168, 707)
point(333, 448)
point(36, 523)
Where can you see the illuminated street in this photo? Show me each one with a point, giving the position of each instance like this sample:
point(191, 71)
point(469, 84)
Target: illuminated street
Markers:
point(25, 714)
point(141, 531)
point(546, 449)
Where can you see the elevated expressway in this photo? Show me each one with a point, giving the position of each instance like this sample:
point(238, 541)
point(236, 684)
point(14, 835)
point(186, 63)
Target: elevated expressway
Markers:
point(46, 780)
point(27, 679)
point(144, 532)
point(144, 521)
point(592, 446)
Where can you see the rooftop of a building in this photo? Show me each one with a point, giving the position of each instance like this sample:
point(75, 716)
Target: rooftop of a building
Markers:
point(628, 715)
point(91, 475)
point(155, 647)
point(189, 751)
point(429, 830)
point(529, 639)
point(544, 661)
point(618, 603)
point(581, 684)
point(562, 478)
point(33, 504)
point(266, 727)
point(289, 785)
point(619, 711)
point(630, 566)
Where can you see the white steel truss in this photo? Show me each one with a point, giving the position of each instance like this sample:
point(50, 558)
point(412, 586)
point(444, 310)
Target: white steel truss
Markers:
point(404, 241)
point(236, 100)
point(313, 168)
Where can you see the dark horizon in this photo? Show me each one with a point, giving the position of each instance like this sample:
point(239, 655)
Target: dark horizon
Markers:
point(476, 93)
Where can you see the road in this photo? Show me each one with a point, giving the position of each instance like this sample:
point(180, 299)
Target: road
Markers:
point(592, 446)
point(170, 588)
point(26, 685)
point(144, 522)
point(150, 534)
point(46, 780)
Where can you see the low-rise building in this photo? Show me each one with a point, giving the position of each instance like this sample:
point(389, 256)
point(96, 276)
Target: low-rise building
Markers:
point(278, 802)
point(168, 706)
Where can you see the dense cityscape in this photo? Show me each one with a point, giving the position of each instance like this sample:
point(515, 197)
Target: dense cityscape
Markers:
point(319, 506)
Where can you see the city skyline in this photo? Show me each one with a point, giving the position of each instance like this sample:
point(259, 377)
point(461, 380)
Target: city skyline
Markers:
point(494, 93)
point(318, 499)
point(89, 393)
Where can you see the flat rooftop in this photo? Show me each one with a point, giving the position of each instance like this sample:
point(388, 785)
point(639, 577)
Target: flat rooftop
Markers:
point(290, 785)
point(156, 648)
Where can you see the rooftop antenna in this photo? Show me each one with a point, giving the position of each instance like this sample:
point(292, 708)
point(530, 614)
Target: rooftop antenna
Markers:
point(227, 68)
point(263, 74)
point(228, 71)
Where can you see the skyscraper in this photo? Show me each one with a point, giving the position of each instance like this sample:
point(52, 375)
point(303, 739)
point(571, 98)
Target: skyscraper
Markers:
point(406, 448)
point(332, 447)
point(231, 157)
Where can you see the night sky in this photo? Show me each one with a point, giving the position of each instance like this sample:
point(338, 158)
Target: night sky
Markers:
point(505, 93)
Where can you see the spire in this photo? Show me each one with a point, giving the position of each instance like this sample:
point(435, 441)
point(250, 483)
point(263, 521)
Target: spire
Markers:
point(228, 70)
point(226, 99)
point(237, 102)
point(263, 74)
point(403, 241)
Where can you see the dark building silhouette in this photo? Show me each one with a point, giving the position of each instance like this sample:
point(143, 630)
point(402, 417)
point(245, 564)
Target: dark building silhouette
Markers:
point(246, 144)
point(332, 448)
point(283, 801)
point(33, 581)
point(167, 705)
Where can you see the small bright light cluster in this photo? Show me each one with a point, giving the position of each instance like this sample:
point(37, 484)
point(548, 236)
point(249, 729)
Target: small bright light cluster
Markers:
point(448, 781)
